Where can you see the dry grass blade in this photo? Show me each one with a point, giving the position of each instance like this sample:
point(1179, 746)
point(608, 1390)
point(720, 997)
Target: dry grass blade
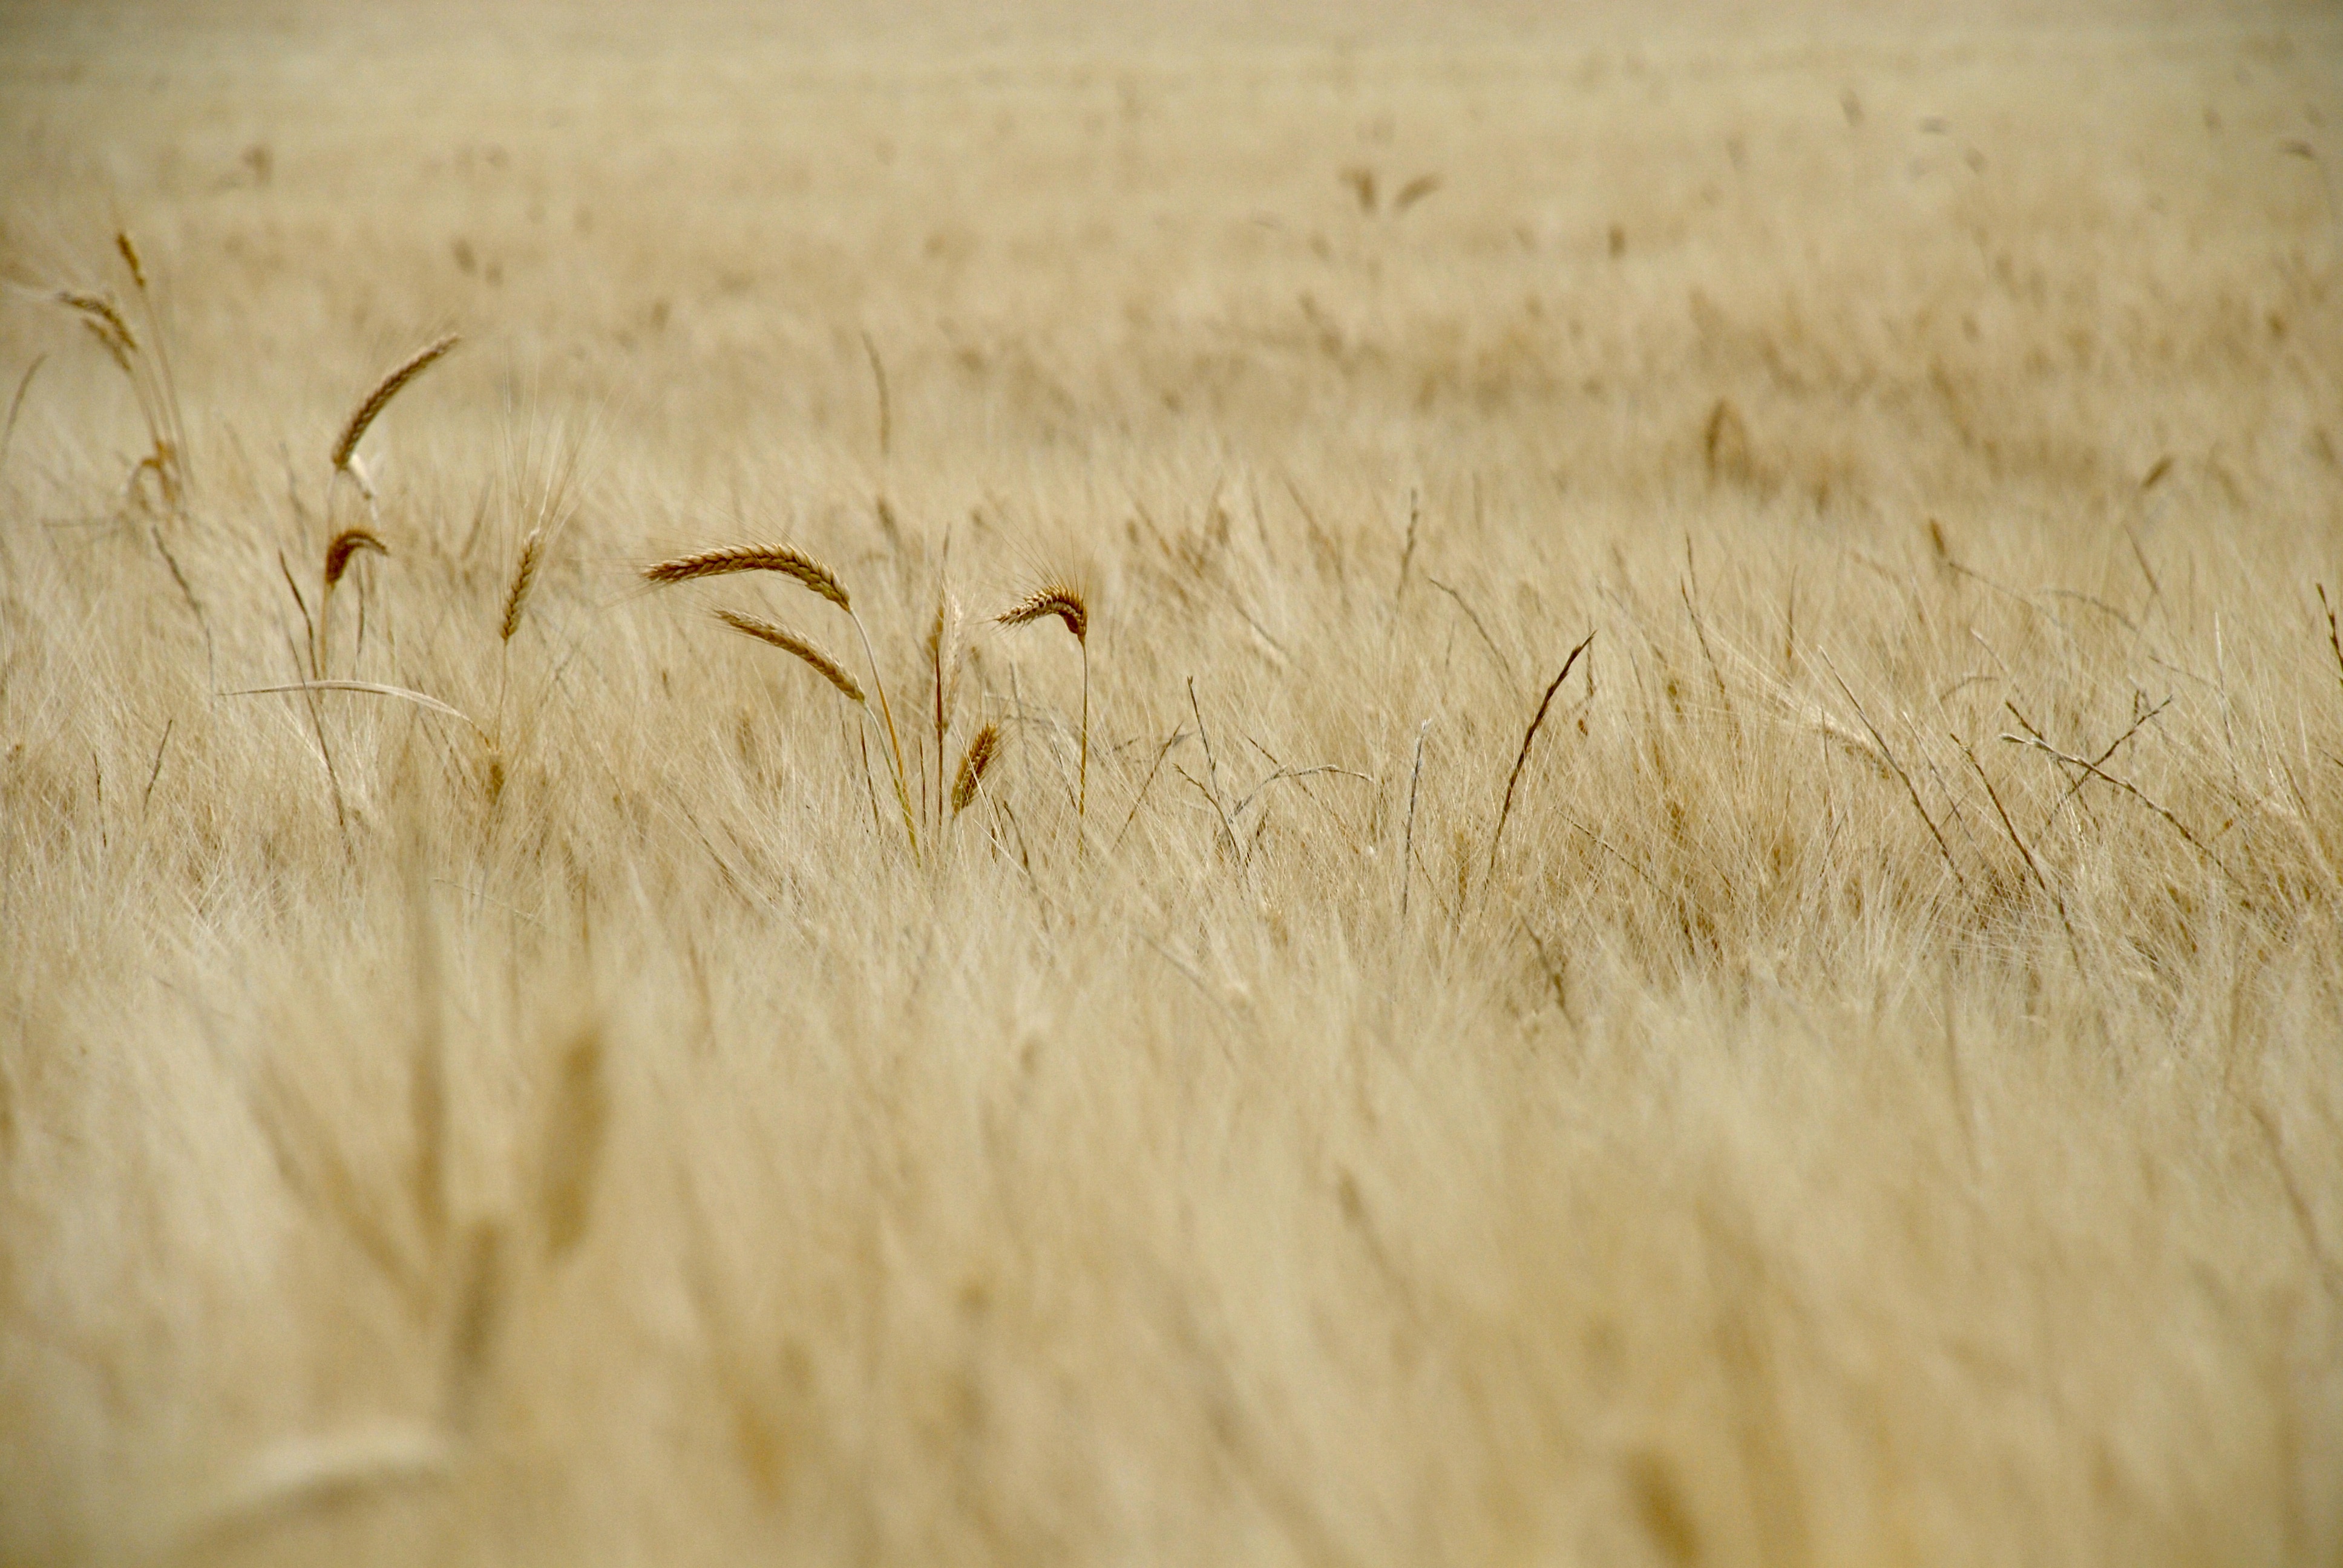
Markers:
point(478, 1319)
point(1407, 839)
point(944, 658)
point(1521, 758)
point(886, 405)
point(346, 544)
point(389, 387)
point(372, 688)
point(2073, 946)
point(782, 637)
point(1414, 191)
point(972, 764)
point(791, 563)
point(17, 404)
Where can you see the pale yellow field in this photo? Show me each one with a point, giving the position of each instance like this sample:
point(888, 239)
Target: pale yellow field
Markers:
point(1828, 1124)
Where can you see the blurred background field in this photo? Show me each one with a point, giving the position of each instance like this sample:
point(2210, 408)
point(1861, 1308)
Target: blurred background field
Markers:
point(1857, 1078)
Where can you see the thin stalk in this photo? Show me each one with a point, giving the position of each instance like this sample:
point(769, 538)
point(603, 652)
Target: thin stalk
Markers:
point(902, 794)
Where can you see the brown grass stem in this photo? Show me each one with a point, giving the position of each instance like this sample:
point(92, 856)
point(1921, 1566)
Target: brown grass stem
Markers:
point(1529, 736)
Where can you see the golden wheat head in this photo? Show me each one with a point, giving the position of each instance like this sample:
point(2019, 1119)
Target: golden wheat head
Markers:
point(787, 641)
point(105, 322)
point(130, 258)
point(406, 370)
point(791, 563)
point(346, 544)
point(1056, 598)
point(972, 764)
point(532, 554)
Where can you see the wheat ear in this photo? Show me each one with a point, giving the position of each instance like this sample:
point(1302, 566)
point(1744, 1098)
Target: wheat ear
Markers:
point(789, 562)
point(532, 556)
point(972, 764)
point(406, 370)
point(1065, 601)
point(345, 544)
point(787, 641)
point(818, 579)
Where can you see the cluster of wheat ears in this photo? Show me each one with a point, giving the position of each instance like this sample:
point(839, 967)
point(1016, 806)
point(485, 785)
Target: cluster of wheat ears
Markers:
point(945, 646)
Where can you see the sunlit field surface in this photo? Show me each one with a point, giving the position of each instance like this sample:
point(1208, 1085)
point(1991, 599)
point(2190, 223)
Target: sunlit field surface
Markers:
point(499, 1066)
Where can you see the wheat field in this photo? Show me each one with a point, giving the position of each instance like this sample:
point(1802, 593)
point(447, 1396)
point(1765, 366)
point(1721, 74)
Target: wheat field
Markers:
point(1234, 1062)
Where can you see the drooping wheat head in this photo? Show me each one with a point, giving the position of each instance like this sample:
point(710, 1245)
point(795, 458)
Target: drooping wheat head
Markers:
point(1062, 600)
point(789, 562)
point(1055, 599)
point(787, 641)
point(345, 544)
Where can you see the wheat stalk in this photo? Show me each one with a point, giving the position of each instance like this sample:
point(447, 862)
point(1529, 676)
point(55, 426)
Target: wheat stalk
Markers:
point(1063, 600)
point(787, 641)
point(404, 371)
